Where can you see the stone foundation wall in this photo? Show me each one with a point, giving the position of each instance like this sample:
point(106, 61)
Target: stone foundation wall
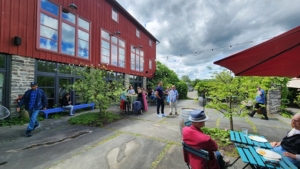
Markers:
point(273, 101)
point(127, 81)
point(22, 73)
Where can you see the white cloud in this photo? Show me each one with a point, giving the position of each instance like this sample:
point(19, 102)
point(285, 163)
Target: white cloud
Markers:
point(185, 27)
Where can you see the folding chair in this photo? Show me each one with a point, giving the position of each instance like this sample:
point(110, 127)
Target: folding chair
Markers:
point(199, 152)
point(4, 113)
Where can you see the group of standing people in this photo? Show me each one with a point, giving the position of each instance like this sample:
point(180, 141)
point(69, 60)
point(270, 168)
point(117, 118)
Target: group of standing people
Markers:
point(160, 97)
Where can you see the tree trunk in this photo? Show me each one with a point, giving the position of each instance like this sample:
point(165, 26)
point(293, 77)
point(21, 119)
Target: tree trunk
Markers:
point(230, 108)
point(231, 123)
point(100, 112)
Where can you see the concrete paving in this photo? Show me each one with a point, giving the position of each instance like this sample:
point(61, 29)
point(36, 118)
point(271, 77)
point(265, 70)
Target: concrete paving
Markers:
point(136, 142)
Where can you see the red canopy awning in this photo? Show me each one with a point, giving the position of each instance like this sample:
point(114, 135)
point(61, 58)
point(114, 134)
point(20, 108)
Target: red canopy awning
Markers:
point(279, 56)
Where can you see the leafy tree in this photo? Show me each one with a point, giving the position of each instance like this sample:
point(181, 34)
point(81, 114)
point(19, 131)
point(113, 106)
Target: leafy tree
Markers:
point(93, 88)
point(182, 89)
point(194, 82)
point(204, 86)
point(164, 74)
point(227, 91)
point(168, 77)
point(186, 79)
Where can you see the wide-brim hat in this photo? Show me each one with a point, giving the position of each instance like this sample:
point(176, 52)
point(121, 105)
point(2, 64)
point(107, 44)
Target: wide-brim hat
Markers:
point(198, 116)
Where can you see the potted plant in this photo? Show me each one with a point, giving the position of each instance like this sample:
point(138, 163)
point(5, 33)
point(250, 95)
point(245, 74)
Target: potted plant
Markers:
point(23, 113)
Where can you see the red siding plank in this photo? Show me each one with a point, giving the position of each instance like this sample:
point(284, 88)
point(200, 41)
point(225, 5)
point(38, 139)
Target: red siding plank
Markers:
point(6, 43)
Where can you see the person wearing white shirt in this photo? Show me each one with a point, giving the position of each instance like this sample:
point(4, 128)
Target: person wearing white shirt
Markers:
point(173, 96)
point(131, 90)
point(290, 144)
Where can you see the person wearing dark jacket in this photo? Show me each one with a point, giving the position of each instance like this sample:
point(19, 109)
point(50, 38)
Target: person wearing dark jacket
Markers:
point(290, 144)
point(34, 100)
point(140, 97)
point(66, 103)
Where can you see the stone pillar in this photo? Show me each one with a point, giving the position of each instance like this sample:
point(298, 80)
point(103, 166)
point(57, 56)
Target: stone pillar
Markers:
point(127, 80)
point(145, 83)
point(22, 73)
point(273, 101)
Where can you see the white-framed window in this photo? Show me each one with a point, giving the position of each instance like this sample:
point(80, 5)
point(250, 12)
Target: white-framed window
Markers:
point(150, 42)
point(83, 38)
point(137, 32)
point(114, 15)
point(137, 59)
point(121, 53)
point(132, 58)
point(57, 31)
point(112, 50)
point(141, 61)
point(150, 64)
point(105, 47)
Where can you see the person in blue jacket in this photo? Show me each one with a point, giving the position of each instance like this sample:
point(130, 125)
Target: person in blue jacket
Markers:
point(260, 103)
point(34, 100)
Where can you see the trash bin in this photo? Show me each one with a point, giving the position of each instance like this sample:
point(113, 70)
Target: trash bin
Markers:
point(202, 101)
point(184, 116)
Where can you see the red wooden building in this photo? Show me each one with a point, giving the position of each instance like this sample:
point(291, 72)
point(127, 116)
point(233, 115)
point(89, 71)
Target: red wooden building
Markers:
point(39, 37)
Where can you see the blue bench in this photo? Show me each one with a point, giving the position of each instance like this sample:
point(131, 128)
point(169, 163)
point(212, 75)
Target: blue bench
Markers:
point(60, 109)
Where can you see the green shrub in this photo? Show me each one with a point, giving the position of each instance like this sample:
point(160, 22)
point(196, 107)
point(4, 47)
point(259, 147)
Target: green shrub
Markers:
point(218, 134)
point(94, 119)
point(17, 121)
point(182, 89)
point(286, 115)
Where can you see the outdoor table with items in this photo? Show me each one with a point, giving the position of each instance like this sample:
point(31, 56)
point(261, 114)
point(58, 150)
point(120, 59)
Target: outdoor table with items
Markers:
point(131, 98)
point(257, 152)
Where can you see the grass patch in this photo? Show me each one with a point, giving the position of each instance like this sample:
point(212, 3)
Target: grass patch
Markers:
point(17, 121)
point(286, 115)
point(94, 119)
point(222, 137)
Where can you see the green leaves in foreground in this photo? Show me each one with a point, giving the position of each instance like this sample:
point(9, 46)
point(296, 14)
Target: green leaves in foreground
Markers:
point(94, 119)
point(221, 136)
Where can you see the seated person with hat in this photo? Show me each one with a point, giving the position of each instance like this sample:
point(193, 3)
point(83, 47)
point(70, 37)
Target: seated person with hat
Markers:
point(194, 137)
point(290, 144)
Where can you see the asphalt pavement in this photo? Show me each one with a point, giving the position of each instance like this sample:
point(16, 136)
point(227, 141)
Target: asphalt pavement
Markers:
point(136, 142)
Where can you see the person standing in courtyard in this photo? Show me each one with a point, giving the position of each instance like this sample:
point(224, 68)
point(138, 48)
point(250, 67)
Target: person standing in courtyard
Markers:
point(34, 99)
point(160, 100)
point(144, 94)
point(260, 103)
point(173, 96)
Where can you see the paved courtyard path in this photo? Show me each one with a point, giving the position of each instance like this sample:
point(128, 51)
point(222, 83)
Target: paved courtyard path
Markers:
point(136, 142)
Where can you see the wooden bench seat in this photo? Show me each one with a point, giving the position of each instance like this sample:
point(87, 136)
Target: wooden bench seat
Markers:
point(60, 109)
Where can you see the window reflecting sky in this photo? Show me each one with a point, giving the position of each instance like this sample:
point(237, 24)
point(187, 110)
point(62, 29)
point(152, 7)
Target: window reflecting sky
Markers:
point(68, 17)
point(114, 55)
point(83, 24)
point(132, 61)
point(50, 7)
point(68, 39)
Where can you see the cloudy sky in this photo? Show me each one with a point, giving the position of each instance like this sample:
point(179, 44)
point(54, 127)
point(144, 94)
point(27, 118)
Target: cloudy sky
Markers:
point(189, 30)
